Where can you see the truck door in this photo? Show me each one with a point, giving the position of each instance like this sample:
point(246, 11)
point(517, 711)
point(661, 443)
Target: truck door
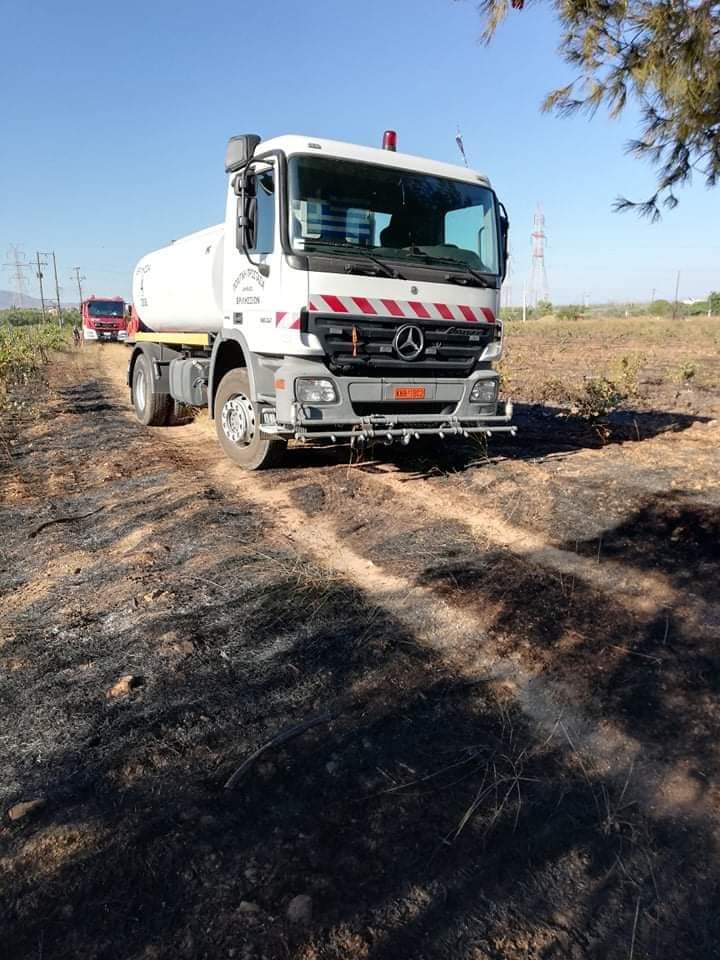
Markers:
point(255, 273)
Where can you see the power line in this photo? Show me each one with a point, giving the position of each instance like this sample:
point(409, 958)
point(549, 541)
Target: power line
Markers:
point(17, 262)
point(538, 275)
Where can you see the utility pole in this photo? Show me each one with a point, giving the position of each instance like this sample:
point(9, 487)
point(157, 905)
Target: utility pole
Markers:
point(78, 279)
point(57, 285)
point(677, 288)
point(57, 290)
point(40, 265)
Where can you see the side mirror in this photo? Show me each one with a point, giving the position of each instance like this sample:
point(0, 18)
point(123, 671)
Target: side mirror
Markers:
point(504, 234)
point(240, 150)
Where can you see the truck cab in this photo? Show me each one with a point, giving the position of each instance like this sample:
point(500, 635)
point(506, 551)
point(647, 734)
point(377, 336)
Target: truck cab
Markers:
point(103, 318)
point(351, 293)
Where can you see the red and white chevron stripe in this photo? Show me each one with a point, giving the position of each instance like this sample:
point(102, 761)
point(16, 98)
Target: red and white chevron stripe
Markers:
point(407, 309)
point(285, 320)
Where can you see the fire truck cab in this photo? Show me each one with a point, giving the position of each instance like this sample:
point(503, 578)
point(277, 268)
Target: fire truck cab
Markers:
point(103, 318)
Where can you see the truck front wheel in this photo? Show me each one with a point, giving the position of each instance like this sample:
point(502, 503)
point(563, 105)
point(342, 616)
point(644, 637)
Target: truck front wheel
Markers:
point(152, 409)
point(238, 425)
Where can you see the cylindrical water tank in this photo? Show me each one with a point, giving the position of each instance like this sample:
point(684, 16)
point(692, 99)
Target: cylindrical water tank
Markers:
point(179, 287)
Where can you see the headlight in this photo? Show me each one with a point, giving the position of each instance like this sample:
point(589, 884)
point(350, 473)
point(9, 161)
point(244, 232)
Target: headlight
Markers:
point(484, 391)
point(315, 391)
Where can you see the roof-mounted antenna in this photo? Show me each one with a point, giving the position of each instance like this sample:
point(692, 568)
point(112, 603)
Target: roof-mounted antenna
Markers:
point(461, 145)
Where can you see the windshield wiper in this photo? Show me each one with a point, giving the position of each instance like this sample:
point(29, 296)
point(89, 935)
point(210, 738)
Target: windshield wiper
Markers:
point(482, 280)
point(460, 264)
point(385, 267)
point(349, 249)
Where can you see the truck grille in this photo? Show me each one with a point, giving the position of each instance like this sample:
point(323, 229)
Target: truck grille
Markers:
point(451, 349)
point(106, 326)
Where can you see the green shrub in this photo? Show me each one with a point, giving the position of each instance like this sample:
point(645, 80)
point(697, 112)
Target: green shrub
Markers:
point(660, 308)
point(686, 372)
point(20, 317)
point(24, 349)
point(598, 398)
point(572, 311)
point(28, 317)
point(627, 372)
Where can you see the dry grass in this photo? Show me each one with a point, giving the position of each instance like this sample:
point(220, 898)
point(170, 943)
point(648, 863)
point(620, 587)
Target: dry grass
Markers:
point(550, 360)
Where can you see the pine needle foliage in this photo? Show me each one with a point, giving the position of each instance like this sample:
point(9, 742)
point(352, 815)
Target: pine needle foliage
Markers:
point(662, 54)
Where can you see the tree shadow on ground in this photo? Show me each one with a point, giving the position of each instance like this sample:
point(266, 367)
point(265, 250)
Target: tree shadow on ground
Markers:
point(655, 673)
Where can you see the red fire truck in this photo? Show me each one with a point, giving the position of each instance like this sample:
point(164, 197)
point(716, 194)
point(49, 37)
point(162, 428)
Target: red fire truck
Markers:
point(103, 318)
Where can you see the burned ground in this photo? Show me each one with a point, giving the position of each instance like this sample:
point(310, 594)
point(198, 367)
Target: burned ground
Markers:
point(428, 814)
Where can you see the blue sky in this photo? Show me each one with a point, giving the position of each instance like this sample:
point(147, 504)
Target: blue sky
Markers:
point(116, 116)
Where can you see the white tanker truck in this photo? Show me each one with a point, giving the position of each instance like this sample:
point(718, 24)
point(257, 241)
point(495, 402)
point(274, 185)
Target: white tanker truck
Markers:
point(351, 293)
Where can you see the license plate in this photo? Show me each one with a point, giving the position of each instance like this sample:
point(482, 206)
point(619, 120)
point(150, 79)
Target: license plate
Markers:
point(409, 393)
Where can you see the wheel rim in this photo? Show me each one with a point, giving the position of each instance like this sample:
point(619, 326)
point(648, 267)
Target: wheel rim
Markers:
point(140, 388)
point(238, 420)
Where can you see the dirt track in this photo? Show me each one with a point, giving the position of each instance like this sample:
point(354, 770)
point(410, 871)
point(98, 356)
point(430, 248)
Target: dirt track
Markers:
point(519, 656)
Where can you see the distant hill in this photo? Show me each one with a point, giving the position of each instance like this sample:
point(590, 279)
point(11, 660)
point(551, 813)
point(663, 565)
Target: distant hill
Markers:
point(10, 299)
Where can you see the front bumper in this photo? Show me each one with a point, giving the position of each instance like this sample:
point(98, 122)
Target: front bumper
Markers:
point(104, 334)
point(366, 410)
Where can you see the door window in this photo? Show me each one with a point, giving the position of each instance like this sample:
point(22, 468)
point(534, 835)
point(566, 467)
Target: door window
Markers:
point(264, 216)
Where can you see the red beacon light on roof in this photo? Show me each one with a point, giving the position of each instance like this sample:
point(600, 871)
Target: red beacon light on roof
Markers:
point(390, 140)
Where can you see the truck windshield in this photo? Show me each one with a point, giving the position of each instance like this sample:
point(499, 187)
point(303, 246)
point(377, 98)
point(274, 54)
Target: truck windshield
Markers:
point(105, 308)
point(392, 213)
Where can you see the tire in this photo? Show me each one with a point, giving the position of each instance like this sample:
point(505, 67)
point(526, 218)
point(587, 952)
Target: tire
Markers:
point(257, 451)
point(152, 409)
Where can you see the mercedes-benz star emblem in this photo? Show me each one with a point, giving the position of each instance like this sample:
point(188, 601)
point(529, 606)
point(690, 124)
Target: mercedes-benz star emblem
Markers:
point(409, 342)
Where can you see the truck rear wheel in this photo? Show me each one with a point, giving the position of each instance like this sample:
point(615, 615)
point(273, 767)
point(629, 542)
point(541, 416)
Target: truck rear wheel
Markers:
point(152, 409)
point(238, 425)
